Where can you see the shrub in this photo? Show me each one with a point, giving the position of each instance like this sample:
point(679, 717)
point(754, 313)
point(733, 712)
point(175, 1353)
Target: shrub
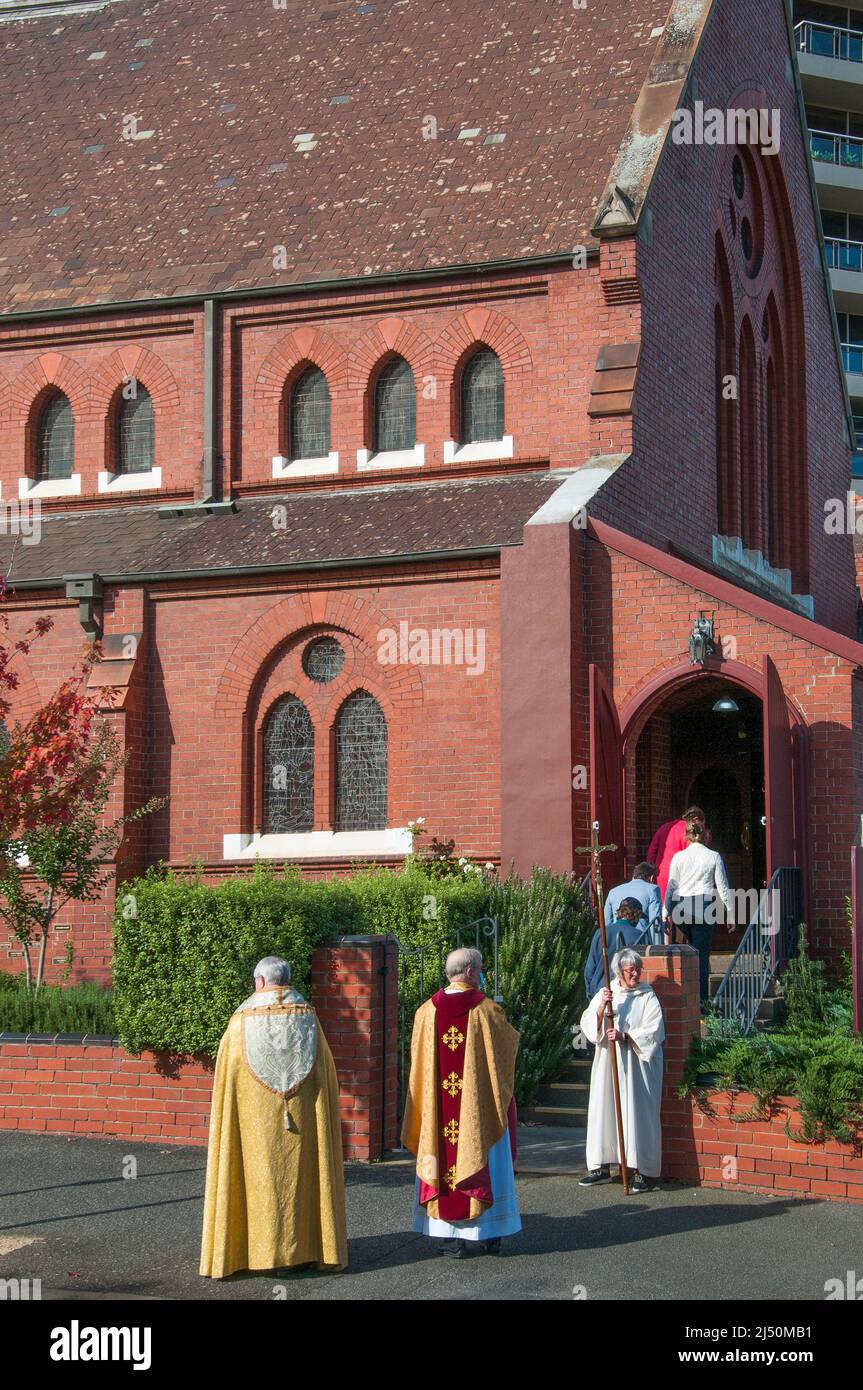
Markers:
point(546, 930)
point(84, 1008)
point(184, 957)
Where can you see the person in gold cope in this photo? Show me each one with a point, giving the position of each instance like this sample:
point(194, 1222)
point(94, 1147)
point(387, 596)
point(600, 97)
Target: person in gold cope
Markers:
point(460, 1118)
point(275, 1191)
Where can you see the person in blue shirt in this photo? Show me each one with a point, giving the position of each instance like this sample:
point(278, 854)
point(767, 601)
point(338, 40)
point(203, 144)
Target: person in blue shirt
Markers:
point(644, 887)
point(625, 930)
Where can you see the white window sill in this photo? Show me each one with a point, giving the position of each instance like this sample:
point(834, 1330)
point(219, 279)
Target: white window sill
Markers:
point(130, 482)
point(51, 487)
point(304, 468)
point(318, 844)
point(477, 453)
point(393, 458)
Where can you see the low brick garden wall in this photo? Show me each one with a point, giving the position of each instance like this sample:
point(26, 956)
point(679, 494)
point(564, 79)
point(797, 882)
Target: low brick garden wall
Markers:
point(703, 1142)
point(66, 1085)
point(63, 1085)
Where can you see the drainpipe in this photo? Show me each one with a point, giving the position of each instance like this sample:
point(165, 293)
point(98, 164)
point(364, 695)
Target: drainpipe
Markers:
point(211, 393)
point(87, 589)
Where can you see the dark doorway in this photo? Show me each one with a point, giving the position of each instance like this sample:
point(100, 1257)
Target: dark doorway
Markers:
point(704, 745)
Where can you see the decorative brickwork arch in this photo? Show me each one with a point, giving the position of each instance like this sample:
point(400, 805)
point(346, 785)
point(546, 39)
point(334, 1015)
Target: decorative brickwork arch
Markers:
point(134, 363)
point(25, 699)
point(51, 371)
point(475, 327)
point(266, 662)
point(392, 337)
point(305, 347)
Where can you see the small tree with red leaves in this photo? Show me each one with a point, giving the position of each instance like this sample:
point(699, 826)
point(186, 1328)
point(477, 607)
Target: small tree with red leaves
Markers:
point(57, 770)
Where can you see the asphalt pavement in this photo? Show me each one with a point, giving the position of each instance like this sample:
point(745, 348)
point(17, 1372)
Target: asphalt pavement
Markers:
point(69, 1217)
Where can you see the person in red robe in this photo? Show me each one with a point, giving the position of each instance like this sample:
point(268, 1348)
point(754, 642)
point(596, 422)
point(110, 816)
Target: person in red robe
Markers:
point(668, 840)
point(460, 1117)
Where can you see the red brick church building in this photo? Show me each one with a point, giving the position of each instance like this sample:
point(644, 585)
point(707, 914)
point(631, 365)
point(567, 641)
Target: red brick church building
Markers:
point(397, 387)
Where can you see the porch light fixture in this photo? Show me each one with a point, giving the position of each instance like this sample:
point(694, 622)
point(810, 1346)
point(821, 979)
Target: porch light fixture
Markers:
point(726, 706)
point(701, 642)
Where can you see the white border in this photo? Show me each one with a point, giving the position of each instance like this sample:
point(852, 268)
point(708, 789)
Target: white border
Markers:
point(318, 844)
point(129, 482)
point(304, 468)
point(392, 458)
point(476, 453)
point(50, 487)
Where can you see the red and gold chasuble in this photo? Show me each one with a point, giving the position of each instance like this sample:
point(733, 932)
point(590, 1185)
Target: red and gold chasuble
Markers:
point(451, 1020)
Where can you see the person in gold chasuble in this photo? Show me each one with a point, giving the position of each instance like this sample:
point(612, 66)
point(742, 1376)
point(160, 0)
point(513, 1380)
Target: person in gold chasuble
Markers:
point(460, 1117)
point(275, 1192)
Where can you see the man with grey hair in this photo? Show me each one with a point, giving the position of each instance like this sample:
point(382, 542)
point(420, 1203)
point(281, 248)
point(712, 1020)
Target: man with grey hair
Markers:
point(460, 1116)
point(275, 1194)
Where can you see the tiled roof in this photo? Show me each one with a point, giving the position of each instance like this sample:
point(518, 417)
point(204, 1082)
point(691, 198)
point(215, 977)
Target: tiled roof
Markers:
point(171, 147)
point(304, 527)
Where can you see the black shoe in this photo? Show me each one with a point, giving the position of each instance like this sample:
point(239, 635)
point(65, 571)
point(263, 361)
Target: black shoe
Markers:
point(637, 1183)
point(597, 1176)
point(491, 1247)
point(454, 1249)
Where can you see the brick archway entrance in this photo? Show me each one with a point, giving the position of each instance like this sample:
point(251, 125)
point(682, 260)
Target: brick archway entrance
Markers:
point(702, 744)
point(726, 737)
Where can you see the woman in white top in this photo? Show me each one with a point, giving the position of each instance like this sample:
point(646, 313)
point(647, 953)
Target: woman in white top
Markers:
point(697, 881)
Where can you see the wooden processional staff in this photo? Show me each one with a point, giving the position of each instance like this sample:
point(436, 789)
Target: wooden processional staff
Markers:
point(596, 851)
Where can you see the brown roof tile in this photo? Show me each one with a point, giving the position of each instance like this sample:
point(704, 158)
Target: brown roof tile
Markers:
point(315, 528)
point(227, 88)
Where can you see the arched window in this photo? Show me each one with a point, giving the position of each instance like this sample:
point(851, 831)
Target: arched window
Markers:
point(135, 433)
point(5, 740)
point(55, 439)
point(749, 451)
point(395, 407)
point(289, 768)
point(361, 764)
point(309, 416)
point(482, 398)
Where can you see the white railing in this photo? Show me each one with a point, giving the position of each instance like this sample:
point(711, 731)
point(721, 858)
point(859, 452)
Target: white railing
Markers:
point(852, 356)
point(829, 148)
point(829, 41)
point(843, 254)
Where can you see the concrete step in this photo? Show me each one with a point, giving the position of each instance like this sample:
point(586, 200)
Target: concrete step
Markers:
point(565, 1117)
point(564, 1093)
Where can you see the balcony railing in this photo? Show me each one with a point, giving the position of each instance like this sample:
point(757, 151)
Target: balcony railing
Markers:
point(844, 255)
point(852, 356)
point(829, 41)
point(828, 148)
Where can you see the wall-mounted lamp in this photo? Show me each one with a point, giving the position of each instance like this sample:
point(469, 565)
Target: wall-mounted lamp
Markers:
point(701, 642)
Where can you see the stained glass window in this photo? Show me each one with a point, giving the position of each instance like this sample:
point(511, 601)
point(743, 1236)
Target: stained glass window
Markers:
point(310, 416)
point(55, 439)
point(482, 398)
point(395, 407)
point(5, 740)
point(135, 433)
point(323, 659)
point(361, 764)
point(289, 768)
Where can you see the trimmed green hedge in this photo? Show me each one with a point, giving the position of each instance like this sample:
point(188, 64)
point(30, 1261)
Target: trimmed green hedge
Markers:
point(83, 1008)
point(185, 950)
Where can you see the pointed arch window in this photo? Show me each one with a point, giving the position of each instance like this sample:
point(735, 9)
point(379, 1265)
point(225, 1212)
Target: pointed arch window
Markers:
point(361, 764)
point(482, 398)
point(309, 416)
point(55, 439)
point(135, 441)
point(289, 768)
point(395, 421)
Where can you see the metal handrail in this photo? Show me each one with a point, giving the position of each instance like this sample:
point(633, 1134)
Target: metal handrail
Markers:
point(829, 41)
point(852, 353)
point(835, 246)
point(850, 142)
point(768, 942)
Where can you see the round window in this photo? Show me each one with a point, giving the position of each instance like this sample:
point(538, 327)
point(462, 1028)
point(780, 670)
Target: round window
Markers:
point(323, 659)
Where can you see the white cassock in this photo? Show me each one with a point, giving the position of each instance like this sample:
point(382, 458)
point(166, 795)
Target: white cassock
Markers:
point(637, 1012)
